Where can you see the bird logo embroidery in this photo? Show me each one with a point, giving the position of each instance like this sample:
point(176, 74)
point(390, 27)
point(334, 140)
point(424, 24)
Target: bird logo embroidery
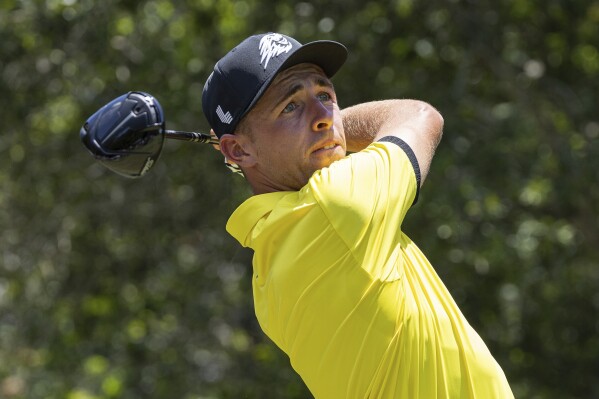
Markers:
point(272, 45)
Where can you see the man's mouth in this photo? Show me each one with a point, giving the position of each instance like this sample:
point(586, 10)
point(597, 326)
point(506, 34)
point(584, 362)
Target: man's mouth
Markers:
point(327, 148)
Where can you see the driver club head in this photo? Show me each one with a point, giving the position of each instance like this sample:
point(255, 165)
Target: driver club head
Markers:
point(127, 134)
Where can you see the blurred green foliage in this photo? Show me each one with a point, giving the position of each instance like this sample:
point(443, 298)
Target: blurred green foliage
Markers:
point(117, 288)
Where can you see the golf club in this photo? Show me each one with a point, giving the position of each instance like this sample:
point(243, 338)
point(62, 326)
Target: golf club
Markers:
point(127, 134)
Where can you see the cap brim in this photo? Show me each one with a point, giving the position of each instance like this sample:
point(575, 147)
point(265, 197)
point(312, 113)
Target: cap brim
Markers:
point(327, 54)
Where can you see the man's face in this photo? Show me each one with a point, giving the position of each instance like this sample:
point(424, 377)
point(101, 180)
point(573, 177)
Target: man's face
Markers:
point(296, 128)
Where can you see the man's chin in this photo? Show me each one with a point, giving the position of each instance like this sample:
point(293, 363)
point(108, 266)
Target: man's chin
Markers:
point(322, 159)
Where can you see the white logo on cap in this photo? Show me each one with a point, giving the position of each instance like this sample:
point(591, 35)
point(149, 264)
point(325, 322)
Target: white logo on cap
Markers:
point(272, 45)
point(224, 118)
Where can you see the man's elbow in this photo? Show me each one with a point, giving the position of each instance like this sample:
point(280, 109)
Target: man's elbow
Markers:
point(432, 115)
point(433, 120)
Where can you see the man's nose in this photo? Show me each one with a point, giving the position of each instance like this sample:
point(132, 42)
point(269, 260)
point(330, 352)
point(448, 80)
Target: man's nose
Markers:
point(323, 116)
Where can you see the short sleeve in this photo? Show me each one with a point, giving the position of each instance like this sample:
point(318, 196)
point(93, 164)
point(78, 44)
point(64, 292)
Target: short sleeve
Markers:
point(367, 194)
point(411, 156)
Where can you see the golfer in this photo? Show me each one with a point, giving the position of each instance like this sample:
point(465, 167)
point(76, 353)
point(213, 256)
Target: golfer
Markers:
point(337, 284)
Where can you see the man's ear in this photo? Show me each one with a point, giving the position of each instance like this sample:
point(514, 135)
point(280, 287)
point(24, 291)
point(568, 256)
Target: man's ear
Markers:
point(238, 149)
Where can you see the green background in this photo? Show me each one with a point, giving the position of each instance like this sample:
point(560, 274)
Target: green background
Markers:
point(120, 288)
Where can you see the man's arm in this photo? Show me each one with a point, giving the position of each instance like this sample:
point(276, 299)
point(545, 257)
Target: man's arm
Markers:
point(415, 122)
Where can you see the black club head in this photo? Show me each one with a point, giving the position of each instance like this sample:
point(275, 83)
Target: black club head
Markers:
point(127, 134)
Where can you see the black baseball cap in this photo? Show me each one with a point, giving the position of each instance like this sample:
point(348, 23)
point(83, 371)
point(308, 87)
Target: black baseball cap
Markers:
point(242, 76)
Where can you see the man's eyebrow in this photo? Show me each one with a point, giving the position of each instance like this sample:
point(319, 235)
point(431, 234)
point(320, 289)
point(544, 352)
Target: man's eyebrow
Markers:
point(324, 83)
point(293, 90)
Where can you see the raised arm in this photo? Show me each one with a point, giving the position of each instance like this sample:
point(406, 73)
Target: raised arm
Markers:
point(415, 122)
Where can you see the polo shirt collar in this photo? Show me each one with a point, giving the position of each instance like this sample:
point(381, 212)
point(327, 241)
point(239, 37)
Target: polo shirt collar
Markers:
point(248, 214)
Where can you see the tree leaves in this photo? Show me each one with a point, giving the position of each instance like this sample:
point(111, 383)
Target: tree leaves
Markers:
point(131, 288)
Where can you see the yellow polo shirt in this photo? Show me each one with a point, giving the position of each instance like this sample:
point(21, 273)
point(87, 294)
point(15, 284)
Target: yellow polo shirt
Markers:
point(349, 297)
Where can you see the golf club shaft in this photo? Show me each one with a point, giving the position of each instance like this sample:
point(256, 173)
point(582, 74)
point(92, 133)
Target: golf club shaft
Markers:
point(190, 136)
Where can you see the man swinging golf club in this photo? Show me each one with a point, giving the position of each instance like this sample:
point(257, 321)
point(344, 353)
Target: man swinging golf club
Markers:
point(337, 284)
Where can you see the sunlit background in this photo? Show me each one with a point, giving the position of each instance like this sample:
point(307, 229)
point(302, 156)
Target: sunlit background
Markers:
point(120, 288)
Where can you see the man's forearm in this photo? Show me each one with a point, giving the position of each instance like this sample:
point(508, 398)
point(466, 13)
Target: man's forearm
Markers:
point(415, 122)
point(364, 122)
point(359, 125)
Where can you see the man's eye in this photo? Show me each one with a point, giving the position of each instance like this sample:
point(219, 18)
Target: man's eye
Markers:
point(289, 107)
point(324, 96)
